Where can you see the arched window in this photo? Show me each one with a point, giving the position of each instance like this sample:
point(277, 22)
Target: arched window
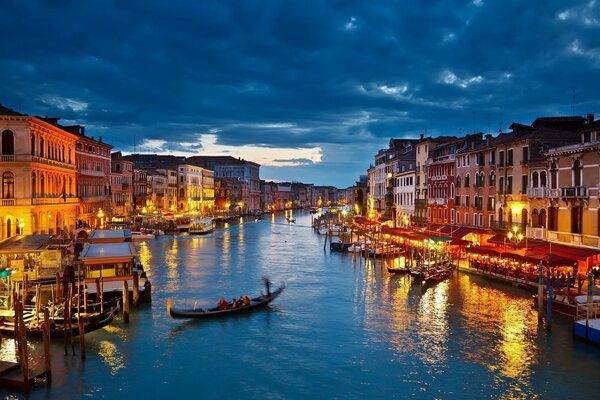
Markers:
point(467, 180)
point(181, 193)
point(8, 227)
point(458, 181)
point(493, 179)
point(500, 215)
point(42, 185)
point(41, 147)
point(8, 142)
point(577, 171)
point(535, 218)
point(33, 145)
point(33, 182)
point(543, 182)
point(534, 179)
point(8, 185)
point(542, 218)
point(452, 190)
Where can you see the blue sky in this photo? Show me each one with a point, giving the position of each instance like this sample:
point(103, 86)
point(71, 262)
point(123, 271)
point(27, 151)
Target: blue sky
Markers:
point(309, 89)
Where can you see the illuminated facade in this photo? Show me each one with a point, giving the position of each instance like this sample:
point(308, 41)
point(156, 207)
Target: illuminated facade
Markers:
point(572, 198)
point(194, 183)
point(92, 158)
point(121, 183)
point(38, 171)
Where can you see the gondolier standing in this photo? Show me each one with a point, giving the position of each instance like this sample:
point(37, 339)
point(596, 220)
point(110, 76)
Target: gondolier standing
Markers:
point(268, 286)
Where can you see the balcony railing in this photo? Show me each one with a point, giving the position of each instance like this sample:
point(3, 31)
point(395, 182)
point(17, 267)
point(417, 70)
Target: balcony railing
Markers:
point(92, 172)
point(505, 225)
point(38, 159)
point(8, 202)
point(574, 192)
point(537, 192)
point(554, 193)
point(438, 201)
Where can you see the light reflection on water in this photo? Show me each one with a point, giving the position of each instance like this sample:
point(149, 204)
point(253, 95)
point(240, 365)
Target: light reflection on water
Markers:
point(343, 328)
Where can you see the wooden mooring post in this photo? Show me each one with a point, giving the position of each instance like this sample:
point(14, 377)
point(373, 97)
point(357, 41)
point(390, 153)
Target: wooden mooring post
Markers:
point(46, 338)
point(125, 302)
point(136, 289)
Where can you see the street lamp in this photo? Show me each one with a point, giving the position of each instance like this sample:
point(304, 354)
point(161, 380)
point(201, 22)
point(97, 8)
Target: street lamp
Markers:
point(514, 235)
point(101, 217)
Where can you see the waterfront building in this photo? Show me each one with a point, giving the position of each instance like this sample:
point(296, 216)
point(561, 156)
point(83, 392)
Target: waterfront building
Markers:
point(515, 150)
point(572, 198)
point(475, 185)
point(326, 195)
point(360, 195)
point(139, 189)
point(238, 168)
point(157, 191)
point(231, 195)
point(93, 159)
point(441, 187)
point(404, 197)
point(38, 176)
point(193, 183)
point(268, 191)
point(121, 179)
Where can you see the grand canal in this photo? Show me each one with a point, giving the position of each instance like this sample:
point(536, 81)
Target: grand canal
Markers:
point(343, 328)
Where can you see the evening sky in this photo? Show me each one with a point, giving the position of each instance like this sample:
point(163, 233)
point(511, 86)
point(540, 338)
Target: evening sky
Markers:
point(308, 89)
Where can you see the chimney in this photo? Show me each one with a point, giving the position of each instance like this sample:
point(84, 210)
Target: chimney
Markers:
point(472, 145)
point(590, 118)
point(421, 136)
point(92, 138)
point(488, 139)
point(100, 139)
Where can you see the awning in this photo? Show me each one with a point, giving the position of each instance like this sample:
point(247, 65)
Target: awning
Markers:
point(570, 252)
point(549, 260)
point(460, 242)
point(386, 230)
point(365, 221)
point(459, 233)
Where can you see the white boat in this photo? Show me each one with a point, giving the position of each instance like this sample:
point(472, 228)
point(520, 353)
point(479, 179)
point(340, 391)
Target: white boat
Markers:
point(201, 226)
point(142, 235)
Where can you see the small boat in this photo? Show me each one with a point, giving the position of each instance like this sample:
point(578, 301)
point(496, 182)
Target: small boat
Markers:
point(398, 270)
point(314, 210)
point(439, 274)
point(58, 328)
point(291, 221)
point(142, 235)
point(565, 303)
point(202, 226)
point(255, 303)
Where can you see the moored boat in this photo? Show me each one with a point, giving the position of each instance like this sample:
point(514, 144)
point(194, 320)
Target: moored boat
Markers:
point(201, 226)
point(142, 235)
point(195, 313)
point(35, 327)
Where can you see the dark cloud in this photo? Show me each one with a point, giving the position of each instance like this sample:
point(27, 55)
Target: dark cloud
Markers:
point(298, 74)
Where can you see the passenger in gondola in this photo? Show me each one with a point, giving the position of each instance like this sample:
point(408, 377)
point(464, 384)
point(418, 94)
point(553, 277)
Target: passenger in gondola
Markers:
point(234, 303)
point(246, 300)
point(222, 304)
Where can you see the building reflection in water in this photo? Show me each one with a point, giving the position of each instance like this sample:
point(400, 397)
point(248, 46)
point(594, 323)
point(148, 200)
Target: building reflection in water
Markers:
point(423, 322)
point(172, 272)
point(111, 356)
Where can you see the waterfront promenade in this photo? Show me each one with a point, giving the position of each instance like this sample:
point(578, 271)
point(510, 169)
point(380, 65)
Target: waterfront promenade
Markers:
point(343, 328)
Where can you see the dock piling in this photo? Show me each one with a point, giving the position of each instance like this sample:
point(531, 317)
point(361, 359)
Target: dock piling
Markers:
point(125, 302)
point(46, 338)
point(136, 289)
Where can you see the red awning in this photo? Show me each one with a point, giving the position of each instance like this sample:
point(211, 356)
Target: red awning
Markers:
point(395, 231)
point(365, 221)
point(459, 233)
point(570, 252)
point(460, 242)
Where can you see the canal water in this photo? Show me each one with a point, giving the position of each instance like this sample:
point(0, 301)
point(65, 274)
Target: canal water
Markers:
point(343, 328)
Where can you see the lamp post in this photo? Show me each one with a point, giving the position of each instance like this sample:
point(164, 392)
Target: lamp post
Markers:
point(514, 235)
point(101, 217)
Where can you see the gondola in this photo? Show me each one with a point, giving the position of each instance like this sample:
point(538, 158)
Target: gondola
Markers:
point(255, 303)
point(439, 274)
point(393, 270)
point(291, 221)
point(58, 328)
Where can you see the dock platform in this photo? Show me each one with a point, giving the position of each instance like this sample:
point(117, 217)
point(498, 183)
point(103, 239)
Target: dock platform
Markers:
point(11, 375)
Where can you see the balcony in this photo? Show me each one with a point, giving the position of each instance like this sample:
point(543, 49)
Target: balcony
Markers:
point(574, 192)
point(8, 202)
point(438, 202)
point(40, 201)
point(439, 178)
point(91, 172)
point(505, 225)
point(537, 193)
point(554, 193)
point(30, 158)
point(420, 202)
